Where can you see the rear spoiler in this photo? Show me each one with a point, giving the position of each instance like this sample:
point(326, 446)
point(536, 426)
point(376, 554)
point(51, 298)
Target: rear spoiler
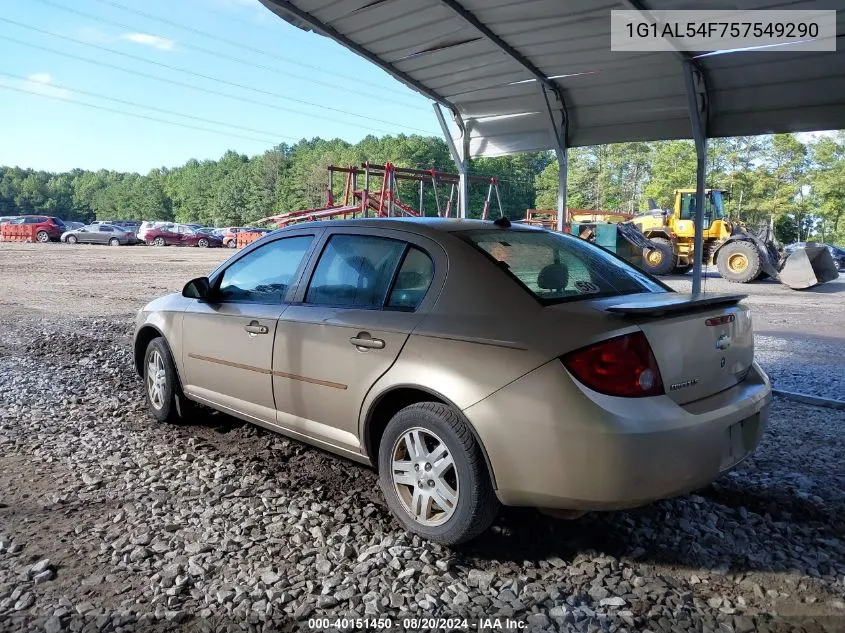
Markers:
point(674, 303)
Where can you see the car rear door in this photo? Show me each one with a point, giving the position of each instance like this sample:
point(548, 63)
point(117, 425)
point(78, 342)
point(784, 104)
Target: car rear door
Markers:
point(227, 341)
point(365, 293)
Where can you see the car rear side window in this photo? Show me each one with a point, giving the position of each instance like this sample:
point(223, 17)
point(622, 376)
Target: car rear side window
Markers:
point(555, 267)
point(355, 271)
point(412, 281)
point(264, 275)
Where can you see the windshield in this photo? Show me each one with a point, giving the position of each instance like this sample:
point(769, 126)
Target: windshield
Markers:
point(555, 267)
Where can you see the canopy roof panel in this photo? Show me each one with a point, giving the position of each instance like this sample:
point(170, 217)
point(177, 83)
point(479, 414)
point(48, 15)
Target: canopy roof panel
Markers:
point(488, 60)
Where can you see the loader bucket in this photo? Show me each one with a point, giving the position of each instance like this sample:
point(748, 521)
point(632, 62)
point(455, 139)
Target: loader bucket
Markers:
point(808, 267)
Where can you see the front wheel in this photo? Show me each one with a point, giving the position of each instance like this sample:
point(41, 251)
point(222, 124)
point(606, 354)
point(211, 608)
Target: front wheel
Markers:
point(42, 236)
point(114, 242)
point(739, 262)
point(161, 382)
point(232, 244)
point(72, 239)
point(659, 260)
point(434, 476)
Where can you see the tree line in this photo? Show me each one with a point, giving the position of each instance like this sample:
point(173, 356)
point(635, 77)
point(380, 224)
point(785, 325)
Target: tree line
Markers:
point(801, 185)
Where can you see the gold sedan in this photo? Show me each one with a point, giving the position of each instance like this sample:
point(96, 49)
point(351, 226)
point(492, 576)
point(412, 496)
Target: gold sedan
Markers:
point(471, 363)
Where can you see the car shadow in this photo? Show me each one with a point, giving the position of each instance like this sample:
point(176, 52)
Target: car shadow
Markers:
point(680, 532)
point(213, 420)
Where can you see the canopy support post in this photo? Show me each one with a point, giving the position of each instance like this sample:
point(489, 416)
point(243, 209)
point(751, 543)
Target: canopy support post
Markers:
point(458, 156)
point(558, 133)
point(697, 101)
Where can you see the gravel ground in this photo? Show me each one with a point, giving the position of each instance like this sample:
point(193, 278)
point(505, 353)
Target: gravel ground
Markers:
point(111, 522)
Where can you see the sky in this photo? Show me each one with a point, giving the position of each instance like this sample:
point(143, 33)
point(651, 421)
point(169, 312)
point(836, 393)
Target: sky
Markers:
point(249, 79)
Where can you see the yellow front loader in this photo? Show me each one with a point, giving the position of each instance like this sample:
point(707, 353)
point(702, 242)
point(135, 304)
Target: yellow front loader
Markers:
point(740, 254)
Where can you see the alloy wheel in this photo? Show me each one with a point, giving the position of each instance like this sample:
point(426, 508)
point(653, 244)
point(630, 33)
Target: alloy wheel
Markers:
point(425, 477)
point(156, 379)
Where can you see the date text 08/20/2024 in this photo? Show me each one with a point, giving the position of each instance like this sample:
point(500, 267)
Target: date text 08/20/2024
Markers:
point(418, 624)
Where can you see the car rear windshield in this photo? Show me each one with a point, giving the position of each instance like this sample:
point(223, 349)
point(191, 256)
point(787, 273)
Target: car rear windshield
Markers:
point(555, 267)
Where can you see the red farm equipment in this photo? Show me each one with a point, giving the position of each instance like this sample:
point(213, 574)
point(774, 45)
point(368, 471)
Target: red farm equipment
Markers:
point(366, 202)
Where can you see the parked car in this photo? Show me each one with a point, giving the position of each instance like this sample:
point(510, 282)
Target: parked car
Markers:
point(100, 233)
point(47, 228)
point(230, 236)
point(180, 235)
point(836, 252)
point(70, 226)
point(5, 219)
point(145, 228)
point(471, 363)
point(130, 225)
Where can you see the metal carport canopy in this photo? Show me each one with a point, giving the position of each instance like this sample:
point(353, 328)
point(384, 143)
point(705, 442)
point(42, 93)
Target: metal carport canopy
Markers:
point(531, 75)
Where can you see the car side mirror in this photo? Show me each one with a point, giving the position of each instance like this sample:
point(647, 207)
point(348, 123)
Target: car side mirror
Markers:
point(198, 288)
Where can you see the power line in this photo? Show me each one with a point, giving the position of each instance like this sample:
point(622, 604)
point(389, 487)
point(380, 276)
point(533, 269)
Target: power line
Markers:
point(138, 73)
point(214, 37)
point(154, 108)
point(209, 77)
point(130, 114)
point(240, 60)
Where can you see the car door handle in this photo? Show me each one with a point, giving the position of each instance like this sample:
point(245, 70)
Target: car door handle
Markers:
point(256, 328)
point(364, 341)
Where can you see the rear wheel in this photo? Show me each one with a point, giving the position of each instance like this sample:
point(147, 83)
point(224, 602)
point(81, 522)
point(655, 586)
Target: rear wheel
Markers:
point(739, 262)
point(159, 241)
point(433, 475)
point(114, 242)
point(659, 260)
point(203, 243)
point(42, 236)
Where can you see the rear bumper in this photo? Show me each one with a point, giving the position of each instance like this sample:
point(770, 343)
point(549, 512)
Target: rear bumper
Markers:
point(552, 444)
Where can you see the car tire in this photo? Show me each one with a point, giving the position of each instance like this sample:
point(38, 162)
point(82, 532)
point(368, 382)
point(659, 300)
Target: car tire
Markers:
point(739, 262)
point(72, 239)
point(659, 260)
point(162, 390)
point(202, 243)
point(42, 236)
point(464, 477)
point(159, 241)
point(232, 244)
point(114, 242)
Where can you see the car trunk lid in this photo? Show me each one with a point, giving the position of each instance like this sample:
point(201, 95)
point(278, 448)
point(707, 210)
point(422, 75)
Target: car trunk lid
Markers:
point(702, 344)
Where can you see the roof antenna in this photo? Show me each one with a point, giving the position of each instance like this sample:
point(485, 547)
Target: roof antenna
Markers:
point(503, 222)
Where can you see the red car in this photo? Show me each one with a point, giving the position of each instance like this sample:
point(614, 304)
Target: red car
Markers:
point(180, 235)
point(47, 228)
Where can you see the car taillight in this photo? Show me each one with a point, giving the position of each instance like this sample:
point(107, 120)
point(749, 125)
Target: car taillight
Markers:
point(622, 366)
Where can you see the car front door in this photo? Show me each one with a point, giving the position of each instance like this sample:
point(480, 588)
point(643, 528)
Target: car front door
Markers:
point(365, 294)
point(227, 340)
